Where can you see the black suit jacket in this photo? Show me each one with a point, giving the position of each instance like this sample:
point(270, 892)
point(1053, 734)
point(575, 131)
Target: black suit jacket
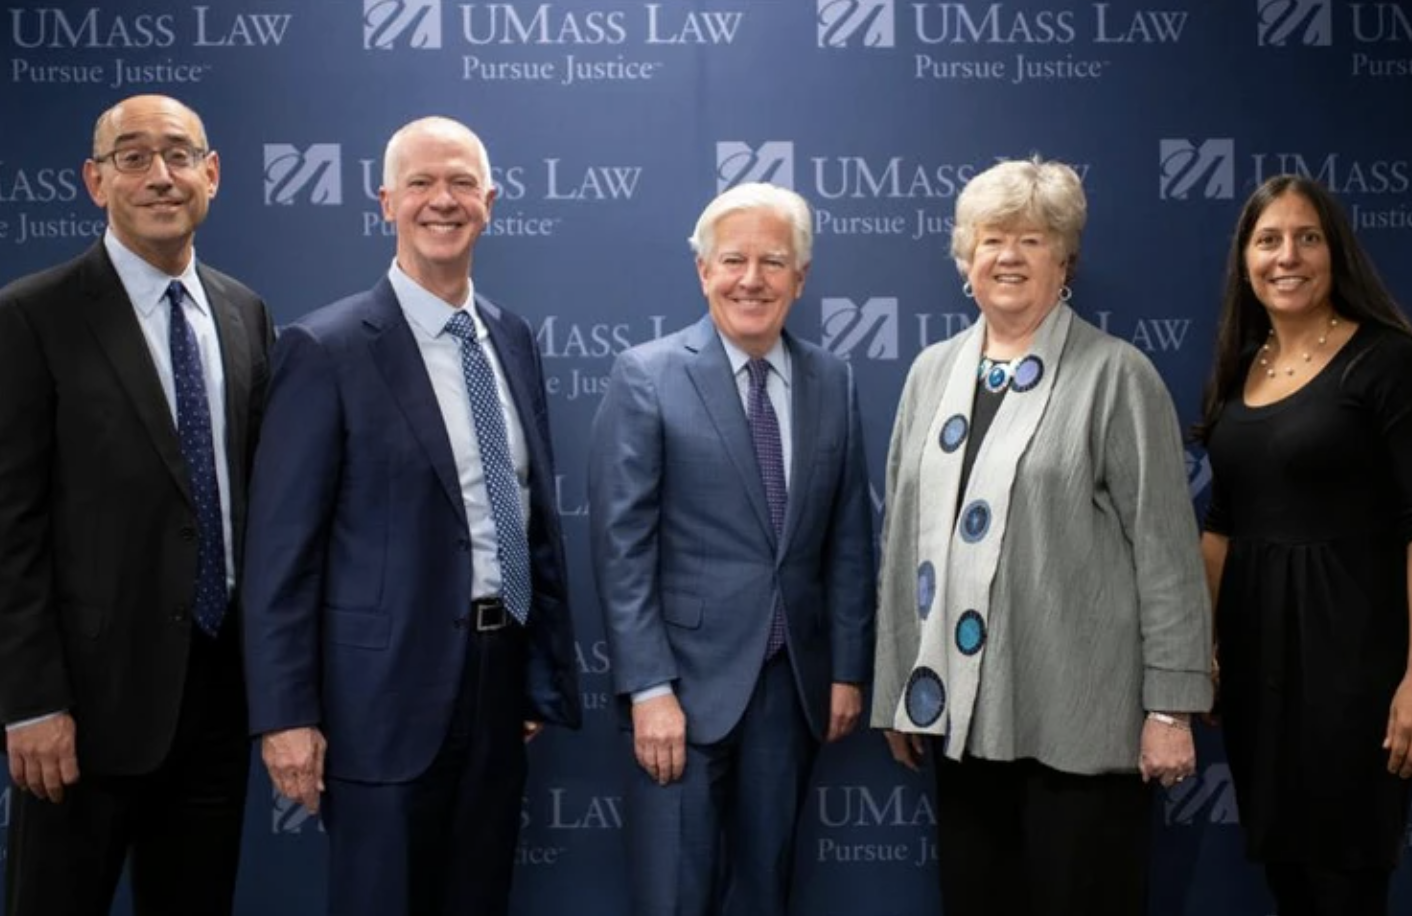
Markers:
point(97, 528)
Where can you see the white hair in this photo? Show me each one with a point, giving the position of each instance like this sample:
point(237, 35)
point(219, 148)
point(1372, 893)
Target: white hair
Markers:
point(448, 128)
point(783, 202)
point(1048, 195)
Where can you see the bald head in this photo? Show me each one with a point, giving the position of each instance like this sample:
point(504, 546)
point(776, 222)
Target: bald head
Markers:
point(436, 127)
point(109, 127)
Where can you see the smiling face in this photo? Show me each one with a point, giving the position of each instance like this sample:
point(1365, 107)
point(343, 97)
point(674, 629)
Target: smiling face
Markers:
point(1287, 258)
point(1016, 271)
point(153, 212)
point(751, 277)
point(440, 199)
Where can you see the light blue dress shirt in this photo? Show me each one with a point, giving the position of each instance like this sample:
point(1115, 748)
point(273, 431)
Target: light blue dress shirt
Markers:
point(427, 314)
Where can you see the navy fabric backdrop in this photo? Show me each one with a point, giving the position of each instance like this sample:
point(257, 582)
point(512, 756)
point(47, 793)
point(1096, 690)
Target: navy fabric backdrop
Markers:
point(610, 124)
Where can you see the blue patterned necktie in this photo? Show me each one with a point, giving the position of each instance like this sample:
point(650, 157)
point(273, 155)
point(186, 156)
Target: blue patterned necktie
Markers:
point(501, 484)
point(769, 454)
point(199, 452)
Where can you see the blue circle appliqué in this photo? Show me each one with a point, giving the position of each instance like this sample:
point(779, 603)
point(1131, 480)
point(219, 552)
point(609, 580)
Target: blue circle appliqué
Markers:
point(975, 521)
point(1027, 374)
point(970, 632)
point(926, 588)
point(926, 697)
point(953, 433)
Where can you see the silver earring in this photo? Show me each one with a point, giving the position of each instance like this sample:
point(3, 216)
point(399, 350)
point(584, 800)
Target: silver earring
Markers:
point(967, 290)
point(1065, 294)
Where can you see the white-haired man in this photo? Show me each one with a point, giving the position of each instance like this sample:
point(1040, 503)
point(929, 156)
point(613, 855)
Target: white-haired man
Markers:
point(732, 541)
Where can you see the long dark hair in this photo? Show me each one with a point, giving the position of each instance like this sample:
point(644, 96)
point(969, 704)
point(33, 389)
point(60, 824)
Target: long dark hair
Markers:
point(1357, 292)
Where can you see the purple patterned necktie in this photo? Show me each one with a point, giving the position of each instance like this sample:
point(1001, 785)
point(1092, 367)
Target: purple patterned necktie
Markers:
point(501, 485)
point(199, 452)
point(769, 455)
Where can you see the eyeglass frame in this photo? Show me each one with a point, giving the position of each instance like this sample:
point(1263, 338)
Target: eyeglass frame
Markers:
point(198, 155)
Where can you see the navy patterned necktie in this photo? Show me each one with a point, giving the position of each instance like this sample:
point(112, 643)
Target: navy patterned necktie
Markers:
point(501, 484)
point(769, 455)
point(198, 450)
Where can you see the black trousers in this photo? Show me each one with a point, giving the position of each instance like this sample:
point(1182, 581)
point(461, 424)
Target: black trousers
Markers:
point(444, 843)
point(1305, 890)
point(177, 827)
point(1022, 839)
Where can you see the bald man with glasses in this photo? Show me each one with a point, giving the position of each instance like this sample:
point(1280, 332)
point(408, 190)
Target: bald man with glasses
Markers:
point(132, 380)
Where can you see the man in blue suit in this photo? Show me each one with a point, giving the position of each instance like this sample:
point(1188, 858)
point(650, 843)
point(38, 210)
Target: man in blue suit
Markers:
point(407, 627)
point(732, 540)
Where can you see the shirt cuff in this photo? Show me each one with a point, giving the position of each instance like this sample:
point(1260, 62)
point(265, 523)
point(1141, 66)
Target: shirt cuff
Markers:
point(652, 693)
point(11, 726)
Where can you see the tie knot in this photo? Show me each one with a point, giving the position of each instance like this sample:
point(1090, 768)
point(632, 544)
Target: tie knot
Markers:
point(759, 370)
point(176, 292)
point(461, 326)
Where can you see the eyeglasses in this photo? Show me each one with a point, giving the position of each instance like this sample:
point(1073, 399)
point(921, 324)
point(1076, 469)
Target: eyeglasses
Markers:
point(139, 159)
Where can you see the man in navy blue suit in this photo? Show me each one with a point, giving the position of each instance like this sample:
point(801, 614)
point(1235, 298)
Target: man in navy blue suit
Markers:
point(732, 541)
point(407, 627)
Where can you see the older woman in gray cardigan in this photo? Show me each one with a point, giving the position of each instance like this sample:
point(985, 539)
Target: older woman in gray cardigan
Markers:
point(1043, 619)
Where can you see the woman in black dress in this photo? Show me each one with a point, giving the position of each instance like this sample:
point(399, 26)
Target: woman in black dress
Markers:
point(1308, 422)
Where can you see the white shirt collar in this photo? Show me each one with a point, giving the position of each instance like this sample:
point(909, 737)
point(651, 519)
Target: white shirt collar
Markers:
point(146, 286)
point(428, 311)
point(777, 356)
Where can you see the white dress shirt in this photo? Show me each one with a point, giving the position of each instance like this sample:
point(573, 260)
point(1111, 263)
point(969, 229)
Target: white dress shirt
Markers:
point(427, 314)
point(777, 385)
point(146, 288)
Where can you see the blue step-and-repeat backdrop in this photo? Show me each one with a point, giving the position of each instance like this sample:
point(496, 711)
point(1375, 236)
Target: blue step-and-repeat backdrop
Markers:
point(610, 124)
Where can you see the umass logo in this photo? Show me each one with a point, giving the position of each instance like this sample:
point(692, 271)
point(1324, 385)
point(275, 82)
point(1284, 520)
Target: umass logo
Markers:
point(868, 329)
point(1204, 170)
point(311, 175)
point(738, 163)
point(389, 24)
point(861, 23)
point(1294, 22)
point(1208, 799)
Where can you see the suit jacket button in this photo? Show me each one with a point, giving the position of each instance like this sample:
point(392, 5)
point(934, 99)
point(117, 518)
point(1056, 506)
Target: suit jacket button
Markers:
point(188, 533)
point(179, 615)
point(463, 545)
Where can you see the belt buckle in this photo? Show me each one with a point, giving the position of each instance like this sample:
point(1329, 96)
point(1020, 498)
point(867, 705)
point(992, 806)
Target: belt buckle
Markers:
point(490, 615)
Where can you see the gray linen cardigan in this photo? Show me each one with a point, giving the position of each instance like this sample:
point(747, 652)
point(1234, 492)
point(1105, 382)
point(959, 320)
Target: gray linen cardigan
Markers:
point(1099, 605)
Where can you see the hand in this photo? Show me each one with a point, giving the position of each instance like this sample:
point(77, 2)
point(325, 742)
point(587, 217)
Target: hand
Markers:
point(1168, 753)
point(295, 759)
point(845, 709)
point(907, 749)
point(532, 730)
point(659, 737)
point(1398, 740)
point(43, 756)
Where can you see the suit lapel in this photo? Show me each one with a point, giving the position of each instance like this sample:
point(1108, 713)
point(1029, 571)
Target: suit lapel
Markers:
point(711, 373)
point(394, 351)
point(805, 404)
point(516, 362)
point(110, 317)
point(235, 367)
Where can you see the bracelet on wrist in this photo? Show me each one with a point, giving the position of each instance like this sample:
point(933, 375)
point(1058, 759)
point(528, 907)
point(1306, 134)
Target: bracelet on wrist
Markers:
point(1171, 721)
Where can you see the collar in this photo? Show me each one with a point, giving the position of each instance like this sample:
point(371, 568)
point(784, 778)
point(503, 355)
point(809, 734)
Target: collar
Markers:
point(427, 311)
point(146, 286)
point(777, 356)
